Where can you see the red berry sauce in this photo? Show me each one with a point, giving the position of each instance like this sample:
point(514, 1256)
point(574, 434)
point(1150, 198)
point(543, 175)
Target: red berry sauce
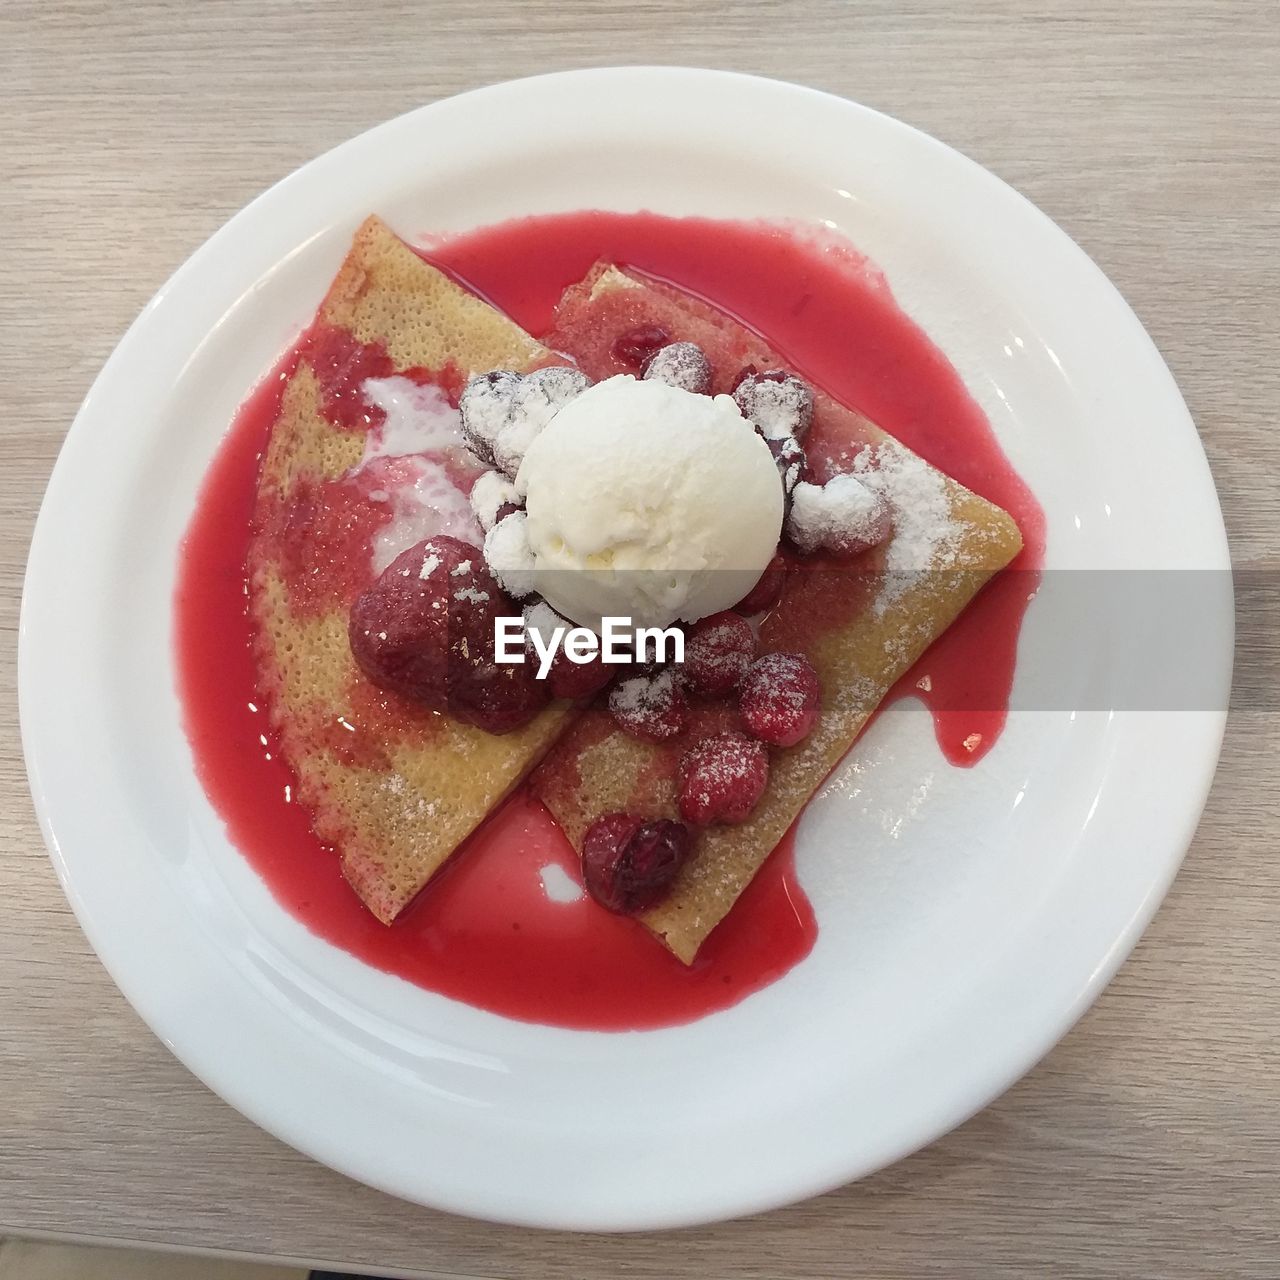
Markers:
point(486, 931)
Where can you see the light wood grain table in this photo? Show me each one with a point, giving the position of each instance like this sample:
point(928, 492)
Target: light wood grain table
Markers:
point(1148, 1142)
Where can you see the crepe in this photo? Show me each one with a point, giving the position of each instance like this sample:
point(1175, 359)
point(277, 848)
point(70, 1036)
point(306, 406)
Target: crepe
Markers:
point(395, 788)
point(861, 625)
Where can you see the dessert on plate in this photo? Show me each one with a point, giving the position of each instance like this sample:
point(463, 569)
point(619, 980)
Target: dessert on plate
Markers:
point(434, 471)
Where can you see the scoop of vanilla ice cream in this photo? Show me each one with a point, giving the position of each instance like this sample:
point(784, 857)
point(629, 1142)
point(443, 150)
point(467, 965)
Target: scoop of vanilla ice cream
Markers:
point(649, 502)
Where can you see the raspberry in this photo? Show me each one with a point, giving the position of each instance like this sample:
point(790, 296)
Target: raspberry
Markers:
point(767, 591)
point(776, 401)
point(718, 652)
point(788, 457)
point(843, 516)
point(681, 364)
point(778, 698)
point(650, 706)
point(722, 779)
point(628, 865)
point(565, 678)
point(577, 679)
point(502, 411)
point(496, 696)
point(425, 629)
point(399, 627)
point(485, 405)
point(636, 345)
point(509, 556)
point(493, 497)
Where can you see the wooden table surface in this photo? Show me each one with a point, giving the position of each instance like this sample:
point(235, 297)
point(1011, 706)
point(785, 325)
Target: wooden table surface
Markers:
point(1148, 1142)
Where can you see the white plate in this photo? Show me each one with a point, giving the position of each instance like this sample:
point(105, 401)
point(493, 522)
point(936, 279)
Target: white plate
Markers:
point(983, 910)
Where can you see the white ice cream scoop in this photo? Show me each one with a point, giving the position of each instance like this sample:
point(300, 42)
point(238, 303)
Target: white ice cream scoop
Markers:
point(648, 502)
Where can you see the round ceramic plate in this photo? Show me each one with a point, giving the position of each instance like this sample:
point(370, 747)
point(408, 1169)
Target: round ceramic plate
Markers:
point(980, 911)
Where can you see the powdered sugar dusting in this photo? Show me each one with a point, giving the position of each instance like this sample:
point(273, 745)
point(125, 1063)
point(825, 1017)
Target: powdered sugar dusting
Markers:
point(411, 804)
point(509, 556)
point(541, 619)
point(840, 514)
point(718, 652)
point(503, 411)
point(683, 365)
point(780, 407)
point(774, 676)
point(722, 778)
point(788, 455)
point(650, 706)
point(926, 536)
point(639, 694)
point(490, 493)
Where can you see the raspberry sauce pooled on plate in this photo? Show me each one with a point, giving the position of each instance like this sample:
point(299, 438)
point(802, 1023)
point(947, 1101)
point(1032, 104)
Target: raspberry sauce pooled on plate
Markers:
point(330, 780)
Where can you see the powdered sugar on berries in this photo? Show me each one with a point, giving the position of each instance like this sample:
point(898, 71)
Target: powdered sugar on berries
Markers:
point(844, 515)
point(680, 364)
point(509, 556)
point(491, 492)
point(778, 403)
point(650, 706)
point(503, 411)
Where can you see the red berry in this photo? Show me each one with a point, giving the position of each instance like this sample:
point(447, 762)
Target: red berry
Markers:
point(577, 679)
point(399, 626)
point(789, 457)
point(767, 591)
point(425, 629)
point(718, 652)
point(496, 696)
point(844, 517)
point(680, 364)
point(776, 401)
point(750, 371)
point(565, 678)
point(485, 407)
point(778, 698)
point(636, 345)
point(628, 865)
point(722, 779)
point(650, 706)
